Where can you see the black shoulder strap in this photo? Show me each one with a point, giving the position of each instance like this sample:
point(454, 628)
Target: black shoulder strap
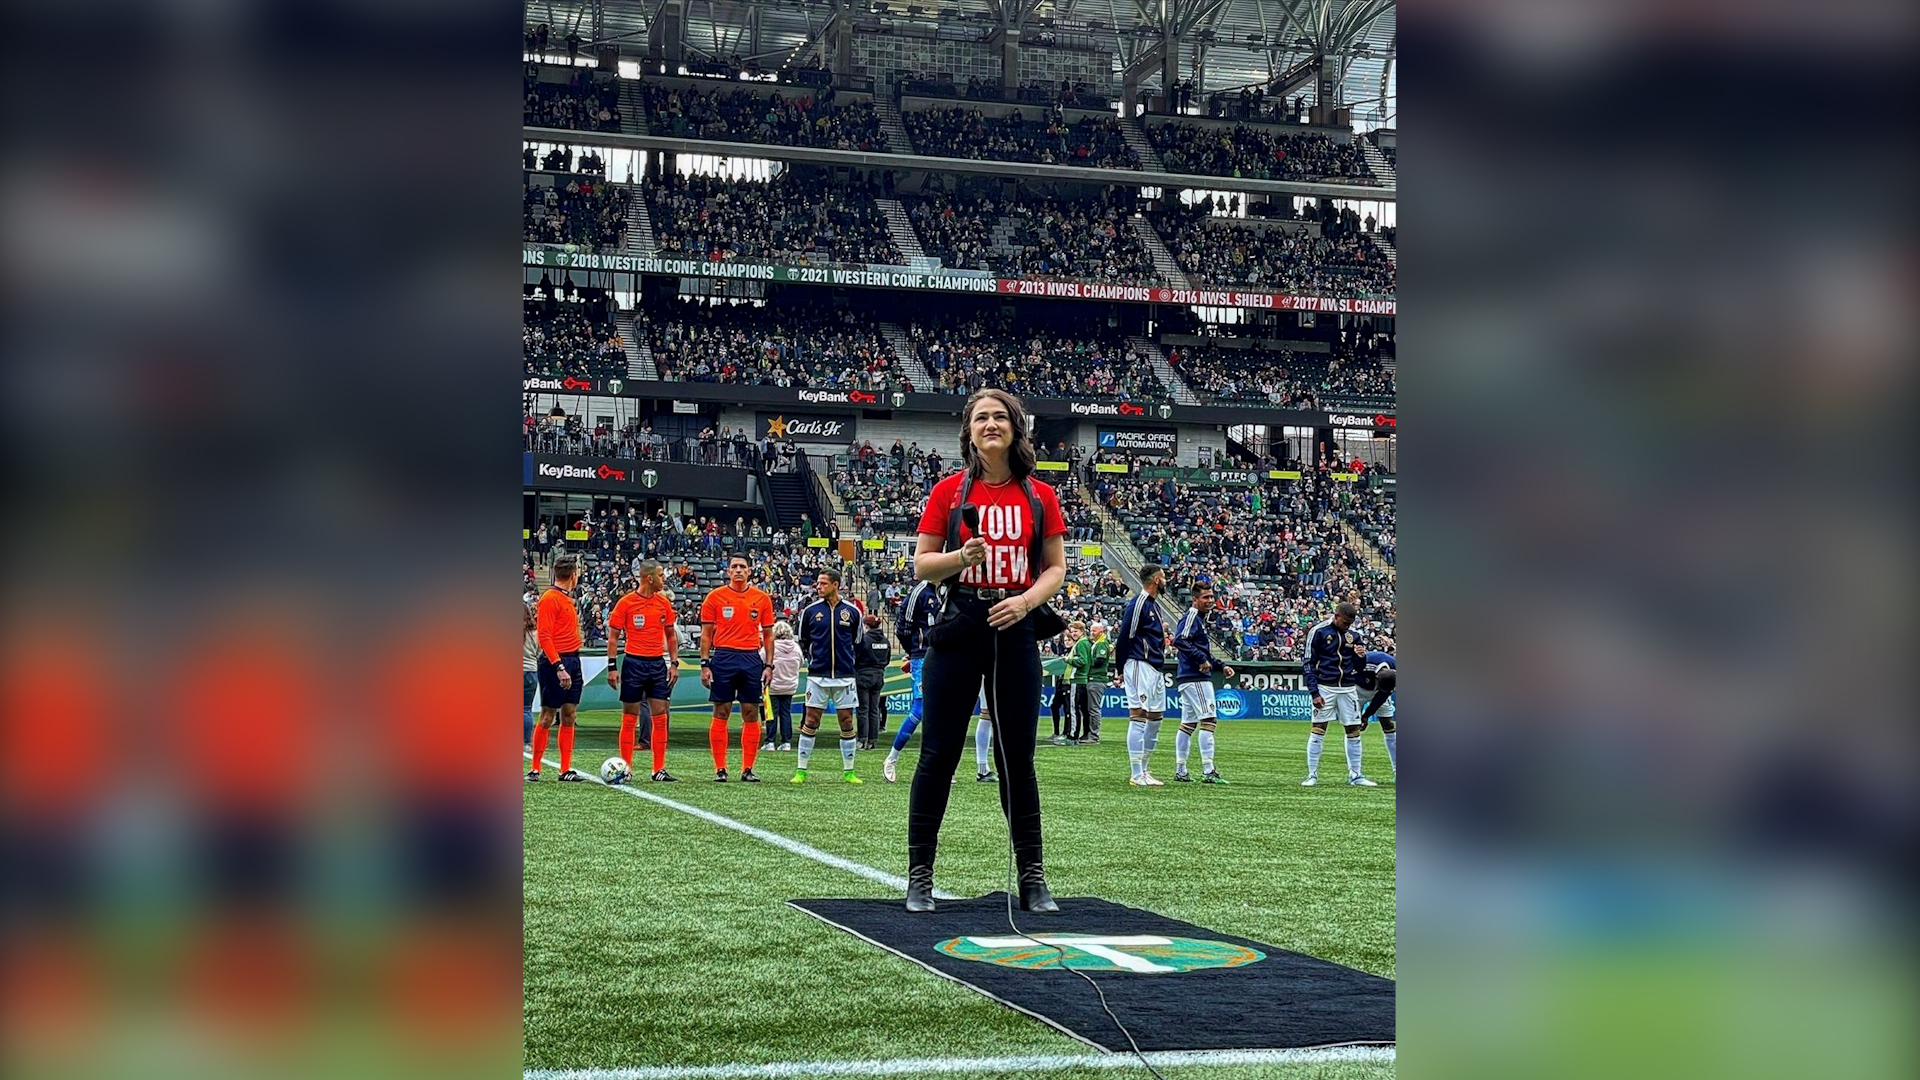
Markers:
point(1039, 527)
point(953, 513)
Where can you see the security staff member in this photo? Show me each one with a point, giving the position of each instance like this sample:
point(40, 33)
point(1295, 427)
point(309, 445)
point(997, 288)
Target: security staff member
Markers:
point(999, 563)
point(870, 679)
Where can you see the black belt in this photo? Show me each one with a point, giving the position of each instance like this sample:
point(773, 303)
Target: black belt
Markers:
point(984, 594)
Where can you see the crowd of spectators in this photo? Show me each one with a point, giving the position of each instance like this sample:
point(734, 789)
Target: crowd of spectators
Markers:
point(961, 132)
point(1258, 153)
point(964, 352)
point(1274, 552)
point(572, 337)
point(806, 119)
point(569, 434)
point(792, 343)
point(575, 208)
point(1033, 236)
point(1284, 379)
point(1340, 261)
point(790, 218)
point(584, 103)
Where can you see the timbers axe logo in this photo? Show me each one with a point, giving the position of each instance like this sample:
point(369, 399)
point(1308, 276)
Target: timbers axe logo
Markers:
point(650, 478)
point(539, 382)
point(849, 397)
point(1141, 954)
point(899, 399)
point(578, 472)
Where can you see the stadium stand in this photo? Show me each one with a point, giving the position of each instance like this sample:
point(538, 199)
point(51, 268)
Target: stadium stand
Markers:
point(1342, 260)
point(1285, 379)
point(584, 103)
point(1033, 236)
point(1258, 153)
point(582, 208)
point(1049, 138)
point(571, 337)
point(782, 118)
point(799, 341)
point(966, 350)
point(792, 218)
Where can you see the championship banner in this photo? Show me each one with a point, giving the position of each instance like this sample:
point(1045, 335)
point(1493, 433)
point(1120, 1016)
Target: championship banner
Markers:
point(900, 277)
point(1221, 477)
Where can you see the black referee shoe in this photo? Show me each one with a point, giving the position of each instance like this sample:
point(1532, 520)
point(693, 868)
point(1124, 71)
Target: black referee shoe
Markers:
point(533, 776)
point(720, 776)
point(747, 777)
point(665, 777)
point(572, 776)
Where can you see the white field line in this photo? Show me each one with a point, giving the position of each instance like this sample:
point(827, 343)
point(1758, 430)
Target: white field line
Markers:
point(958, 1066)
point(784, 843)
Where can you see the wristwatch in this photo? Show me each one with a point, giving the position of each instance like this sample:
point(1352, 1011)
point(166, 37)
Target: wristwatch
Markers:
point(706, 661)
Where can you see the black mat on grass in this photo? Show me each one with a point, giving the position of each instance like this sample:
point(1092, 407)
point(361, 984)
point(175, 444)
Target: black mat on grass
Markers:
point(1211, 991)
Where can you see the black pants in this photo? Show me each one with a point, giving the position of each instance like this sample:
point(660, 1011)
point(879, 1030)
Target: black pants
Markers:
point(1083, 707)
point(870, 683)
point(1062, 703)
point(949, 688)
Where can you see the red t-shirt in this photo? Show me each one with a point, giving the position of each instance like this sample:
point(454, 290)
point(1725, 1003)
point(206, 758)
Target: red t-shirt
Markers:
point(1004, 511)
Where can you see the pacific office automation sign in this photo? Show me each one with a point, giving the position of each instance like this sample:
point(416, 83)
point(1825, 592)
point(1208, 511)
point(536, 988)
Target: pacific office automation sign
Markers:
point(898, 277)
point(633, 477)
point(1142, 440)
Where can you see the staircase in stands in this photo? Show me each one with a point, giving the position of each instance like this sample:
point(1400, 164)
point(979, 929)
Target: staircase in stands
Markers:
point(1358, 541)
point(902, 343)
point(891, 125)
point(1118, 552)
point(639, 239)
point(1136, 136)
point(1169, 378)
point(1163, 261)
point(823, 465)
point(639, 354)
point(633, 108)
point(1386, 248)
point(1383, 169)
point(787, 496)
point(900, 228)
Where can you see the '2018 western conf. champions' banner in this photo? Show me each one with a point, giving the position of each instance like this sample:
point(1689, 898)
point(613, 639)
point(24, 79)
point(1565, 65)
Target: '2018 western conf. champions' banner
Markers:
point(900, 277)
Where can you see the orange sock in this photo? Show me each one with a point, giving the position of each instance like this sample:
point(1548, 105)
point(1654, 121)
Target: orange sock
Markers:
point(627, 723)
point(539, 745)
point(717, 742)
point(749, 742)
point(659, 742)
point(566, 747)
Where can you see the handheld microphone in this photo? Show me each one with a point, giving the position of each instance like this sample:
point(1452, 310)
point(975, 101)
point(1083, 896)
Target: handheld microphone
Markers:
point(970, 514)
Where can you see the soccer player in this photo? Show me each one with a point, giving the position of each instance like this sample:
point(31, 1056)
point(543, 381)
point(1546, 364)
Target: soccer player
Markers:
point(1142, 649)
point(643, 619)
point(1382, 677)
point(1194, 677)
point(557, 668)
point(830, 633)
point(1332, 673)
point(916, 616)
point(736, 656)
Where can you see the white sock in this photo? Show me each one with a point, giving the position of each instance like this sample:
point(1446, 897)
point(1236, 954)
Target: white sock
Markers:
point(1181, 743)
point(893, 756)
point(1153, 742)
point(1206, 750)
point(1393, 758)
point(1315, 743)
point(1353, 756)
point(847, 747)
point(1137, 746)
point(806, 749)
point(982, 739)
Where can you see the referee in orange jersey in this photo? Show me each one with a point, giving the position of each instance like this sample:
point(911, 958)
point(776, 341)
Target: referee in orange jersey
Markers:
point(736, 657)
point(644, 619)
point(557, 631)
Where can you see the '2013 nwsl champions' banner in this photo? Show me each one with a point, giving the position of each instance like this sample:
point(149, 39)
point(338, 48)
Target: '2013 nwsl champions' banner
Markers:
point(900, 277)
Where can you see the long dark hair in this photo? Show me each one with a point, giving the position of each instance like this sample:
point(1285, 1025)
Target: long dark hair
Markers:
point(1019, 454)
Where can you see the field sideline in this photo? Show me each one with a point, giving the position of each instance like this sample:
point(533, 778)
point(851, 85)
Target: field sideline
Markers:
point(655, 939)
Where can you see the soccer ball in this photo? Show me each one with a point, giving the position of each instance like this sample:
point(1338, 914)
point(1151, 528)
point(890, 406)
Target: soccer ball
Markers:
point(615, 770)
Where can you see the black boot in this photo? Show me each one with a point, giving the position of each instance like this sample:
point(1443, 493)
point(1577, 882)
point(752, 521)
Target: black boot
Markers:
point(1033, 890)
point(920, 888)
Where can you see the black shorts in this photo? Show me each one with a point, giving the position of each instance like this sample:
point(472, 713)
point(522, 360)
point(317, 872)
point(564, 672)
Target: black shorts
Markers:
point(736, 676)
point(643, 677)
point(552, 694)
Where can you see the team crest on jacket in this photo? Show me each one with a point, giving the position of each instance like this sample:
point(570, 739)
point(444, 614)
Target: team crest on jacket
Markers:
point(843, 616)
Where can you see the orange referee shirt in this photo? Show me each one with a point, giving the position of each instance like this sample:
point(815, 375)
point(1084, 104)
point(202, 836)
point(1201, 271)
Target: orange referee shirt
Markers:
point(646, 620)
point(556, 624)
point(738, 616)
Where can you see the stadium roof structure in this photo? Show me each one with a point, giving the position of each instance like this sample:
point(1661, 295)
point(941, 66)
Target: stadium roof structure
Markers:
point(1221, 44)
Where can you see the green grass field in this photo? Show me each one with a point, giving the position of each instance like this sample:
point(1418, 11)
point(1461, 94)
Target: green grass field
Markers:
point(654, 938)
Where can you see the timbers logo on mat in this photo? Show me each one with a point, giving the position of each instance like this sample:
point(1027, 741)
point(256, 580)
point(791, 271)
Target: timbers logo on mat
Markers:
point(1143, 954)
